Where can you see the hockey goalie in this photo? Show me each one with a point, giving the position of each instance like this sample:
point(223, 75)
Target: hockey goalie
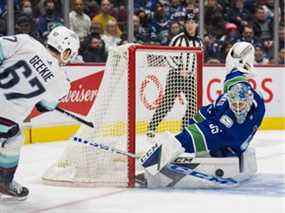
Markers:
point(212, 151)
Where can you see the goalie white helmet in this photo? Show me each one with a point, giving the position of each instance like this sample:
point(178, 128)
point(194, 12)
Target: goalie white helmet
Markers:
point(65, 41)
point(241, 57)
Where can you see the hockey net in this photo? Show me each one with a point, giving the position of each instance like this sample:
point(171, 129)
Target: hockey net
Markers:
point(132, 89)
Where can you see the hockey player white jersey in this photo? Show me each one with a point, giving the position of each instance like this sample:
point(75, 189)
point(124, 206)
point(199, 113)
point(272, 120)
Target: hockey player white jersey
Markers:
point(28, 74)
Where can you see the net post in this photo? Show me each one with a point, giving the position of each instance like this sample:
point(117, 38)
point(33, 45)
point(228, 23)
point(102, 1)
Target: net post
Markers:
point(131, 114)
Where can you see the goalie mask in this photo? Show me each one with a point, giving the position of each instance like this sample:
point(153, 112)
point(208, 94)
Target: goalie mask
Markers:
point(241, 57)
point(240, 98)
point(65, 41)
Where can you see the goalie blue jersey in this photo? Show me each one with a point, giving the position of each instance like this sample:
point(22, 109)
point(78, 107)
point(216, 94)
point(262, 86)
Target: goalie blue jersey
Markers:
point(214, 129)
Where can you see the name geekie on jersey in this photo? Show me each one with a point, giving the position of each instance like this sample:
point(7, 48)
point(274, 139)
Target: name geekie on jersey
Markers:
point(41, 68)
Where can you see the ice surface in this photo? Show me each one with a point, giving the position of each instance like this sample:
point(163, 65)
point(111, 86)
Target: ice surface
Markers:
point(263, 194)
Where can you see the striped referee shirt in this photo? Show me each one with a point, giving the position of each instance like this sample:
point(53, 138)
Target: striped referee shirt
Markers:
point(184, 40)
point(187, 60)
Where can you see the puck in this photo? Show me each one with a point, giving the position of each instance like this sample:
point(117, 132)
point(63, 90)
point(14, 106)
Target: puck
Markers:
point(219, 173)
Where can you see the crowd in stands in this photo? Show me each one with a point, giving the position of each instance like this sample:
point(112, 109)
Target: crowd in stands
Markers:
point(102, 24)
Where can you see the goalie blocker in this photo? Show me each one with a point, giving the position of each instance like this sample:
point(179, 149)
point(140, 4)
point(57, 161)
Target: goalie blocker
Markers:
point(166, 165)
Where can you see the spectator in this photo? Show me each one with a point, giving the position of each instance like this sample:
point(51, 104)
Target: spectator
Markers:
point(104, 16)
point(264, 30)
point(281, 56)
point(79, 22)
point(269, 8)
point(231, 35)
point(281, 33)
point(41, 10)
point(176, 11)
point(248, 36)
point(159, 25)
point(91, 8)
point(262, 26)
point(145, 4)
point(174, 30)
point(26, 8)
point(144, 19)
point(140, 4)
point(212, 47)
point(224, 51)
point(95, 50)
point(96, 28)
point(45, 23)
point(25, 24)
point(140, 34)
point(238, 14)
point(214, 20)
point(122, 16)
point(111, 37)
point(192, 8)
point(2, 7)
point(259, 56)
point(268, 48)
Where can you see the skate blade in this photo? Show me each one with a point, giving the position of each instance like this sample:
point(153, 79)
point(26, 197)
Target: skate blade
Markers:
point(9, 198)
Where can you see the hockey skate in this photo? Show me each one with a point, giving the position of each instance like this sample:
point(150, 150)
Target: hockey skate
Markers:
point(13, 191)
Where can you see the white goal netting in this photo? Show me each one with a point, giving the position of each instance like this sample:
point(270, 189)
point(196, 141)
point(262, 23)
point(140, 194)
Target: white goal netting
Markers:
point(145, 90)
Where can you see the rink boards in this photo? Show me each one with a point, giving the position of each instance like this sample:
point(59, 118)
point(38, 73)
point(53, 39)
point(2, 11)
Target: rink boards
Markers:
point(86, 79)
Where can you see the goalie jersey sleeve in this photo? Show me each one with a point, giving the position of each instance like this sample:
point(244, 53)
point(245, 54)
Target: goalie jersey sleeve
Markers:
point(215, 129)
point(28, 74)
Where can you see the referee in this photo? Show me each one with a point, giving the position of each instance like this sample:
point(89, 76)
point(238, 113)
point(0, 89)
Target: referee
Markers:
point(179, 79)
point(188, 38)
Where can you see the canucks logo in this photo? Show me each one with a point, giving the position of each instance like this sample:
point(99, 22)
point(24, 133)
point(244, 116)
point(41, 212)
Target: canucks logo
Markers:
point(227, 121)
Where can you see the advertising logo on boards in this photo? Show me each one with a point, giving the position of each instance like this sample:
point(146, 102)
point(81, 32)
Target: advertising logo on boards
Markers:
point(81, 95)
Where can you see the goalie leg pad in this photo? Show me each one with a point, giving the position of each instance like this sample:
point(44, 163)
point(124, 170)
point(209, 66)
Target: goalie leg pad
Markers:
point(205, 172)
point(248, 164)
point(178, 176)
point(165, 149)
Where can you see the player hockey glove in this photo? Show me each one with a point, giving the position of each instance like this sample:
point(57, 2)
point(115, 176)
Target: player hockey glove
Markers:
point(45, 106)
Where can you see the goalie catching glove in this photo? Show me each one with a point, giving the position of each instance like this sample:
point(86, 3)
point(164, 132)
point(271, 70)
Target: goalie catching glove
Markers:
point(241, 57)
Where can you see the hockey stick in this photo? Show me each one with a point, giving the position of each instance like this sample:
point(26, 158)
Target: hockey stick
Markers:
point(219, 181)
point(105, 147)
point(88, 123)
point(92, 143)
point(224, 182)
point(187, 171)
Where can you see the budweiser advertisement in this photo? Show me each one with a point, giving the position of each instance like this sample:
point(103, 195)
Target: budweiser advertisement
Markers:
point(85, 83)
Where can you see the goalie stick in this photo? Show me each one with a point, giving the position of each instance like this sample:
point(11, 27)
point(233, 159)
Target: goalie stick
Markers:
point(219, 181)
point(104, 147)
point(94, 144)
point(187, 171)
